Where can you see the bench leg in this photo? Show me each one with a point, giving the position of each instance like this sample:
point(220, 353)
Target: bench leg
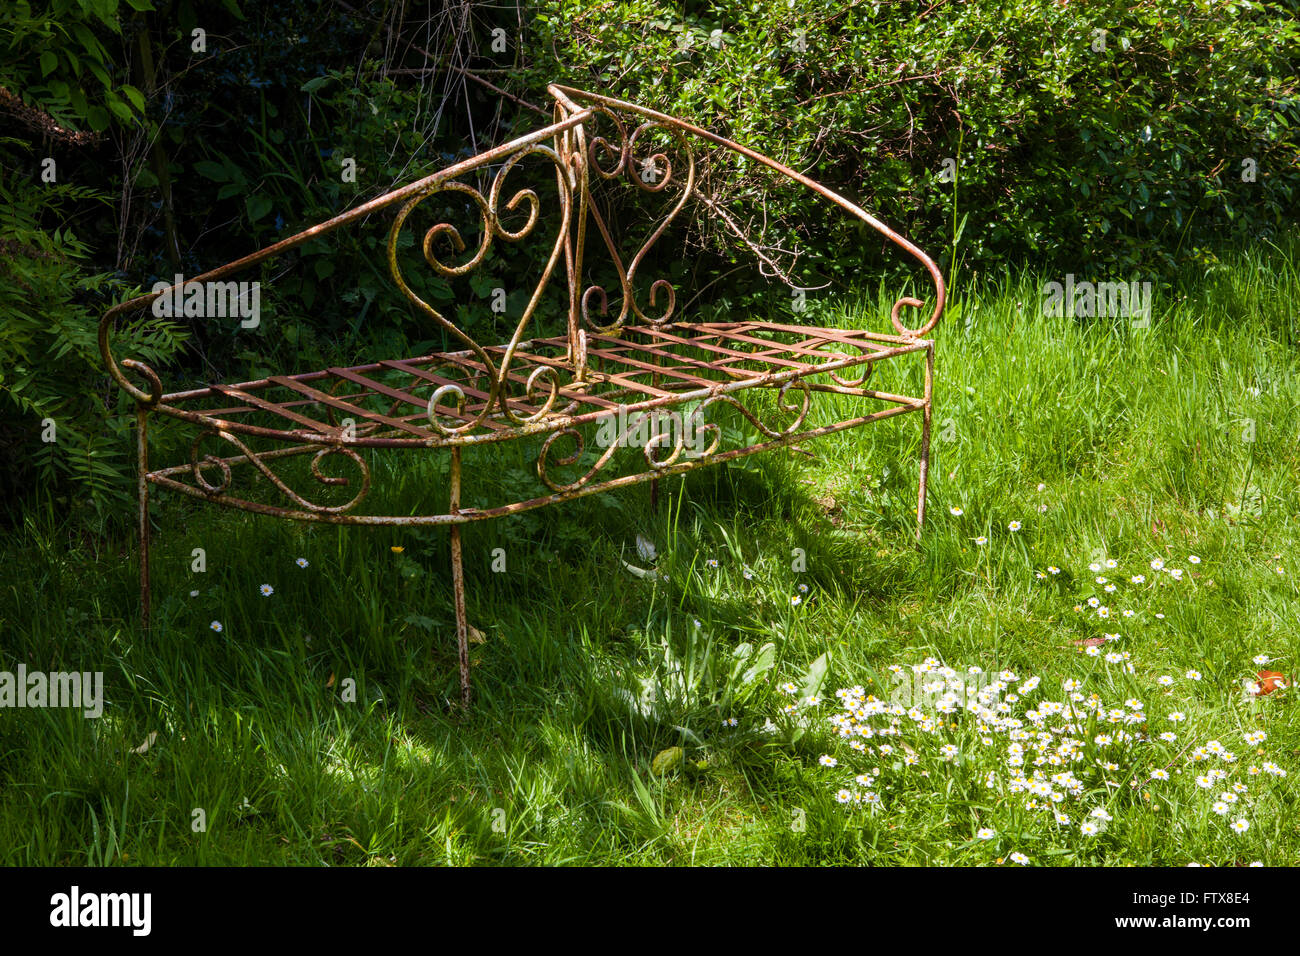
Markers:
point(925, 441)
point(142, 491)
point(458, 581)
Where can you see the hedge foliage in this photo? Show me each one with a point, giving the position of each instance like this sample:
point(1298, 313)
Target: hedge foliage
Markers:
point(1112, 135)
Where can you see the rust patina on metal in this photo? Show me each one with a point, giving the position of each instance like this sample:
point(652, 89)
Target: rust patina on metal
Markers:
point(626, 375)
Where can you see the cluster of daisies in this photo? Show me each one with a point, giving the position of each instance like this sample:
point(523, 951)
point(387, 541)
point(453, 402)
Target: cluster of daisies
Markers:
point(265, 590)
point(1068, 759)
point(1109, 587)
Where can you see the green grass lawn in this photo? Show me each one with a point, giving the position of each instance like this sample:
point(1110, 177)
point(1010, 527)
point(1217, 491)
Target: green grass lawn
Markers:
point(1109, 445)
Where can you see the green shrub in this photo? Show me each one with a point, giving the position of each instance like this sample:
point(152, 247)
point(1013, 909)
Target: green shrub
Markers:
point(1115, 151)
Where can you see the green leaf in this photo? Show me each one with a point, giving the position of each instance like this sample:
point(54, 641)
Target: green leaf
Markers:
point(97, 117)
point(813, 678)
point(764, 661)
point(213, 171)
point(100, 74)
point(314, 84)
point(121, 110)
point(87, 40)
point(135, 96)
point(257, 206)
point(49, 63)
point(143, 6)
point(667, 760)
point(420, 621)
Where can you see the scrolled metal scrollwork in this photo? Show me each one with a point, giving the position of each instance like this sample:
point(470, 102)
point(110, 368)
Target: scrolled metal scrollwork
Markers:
point(489, 209)
point(836, 353)
point(600, 143)
point(437, 408)
point(912, 303)
point(673, 435)
point(150, 376)
point(798, 411)
point(661, 290)
point(579, 446)
point(219, 488)
point(542, 377)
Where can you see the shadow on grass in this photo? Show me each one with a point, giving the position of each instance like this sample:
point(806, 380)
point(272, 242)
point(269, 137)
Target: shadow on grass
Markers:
point(316, 724)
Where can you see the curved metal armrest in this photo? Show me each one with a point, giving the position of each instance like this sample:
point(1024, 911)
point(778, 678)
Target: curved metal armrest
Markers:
point(569, 98)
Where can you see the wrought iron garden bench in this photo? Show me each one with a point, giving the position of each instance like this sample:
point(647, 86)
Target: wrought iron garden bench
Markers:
point(620, 376)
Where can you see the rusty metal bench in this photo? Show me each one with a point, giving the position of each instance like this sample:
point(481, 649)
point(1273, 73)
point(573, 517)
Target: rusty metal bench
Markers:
point(616, 375)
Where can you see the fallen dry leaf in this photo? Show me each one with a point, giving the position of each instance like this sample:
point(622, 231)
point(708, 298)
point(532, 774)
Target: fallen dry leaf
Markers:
point(645, 547)
point(475, 635)
point(330, 682)
point(148, 742)
point(1090, 642)
point(1270, 681)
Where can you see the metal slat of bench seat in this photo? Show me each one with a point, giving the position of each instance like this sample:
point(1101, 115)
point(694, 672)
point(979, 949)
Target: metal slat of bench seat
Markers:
point(275, 409)
point(349, 408)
